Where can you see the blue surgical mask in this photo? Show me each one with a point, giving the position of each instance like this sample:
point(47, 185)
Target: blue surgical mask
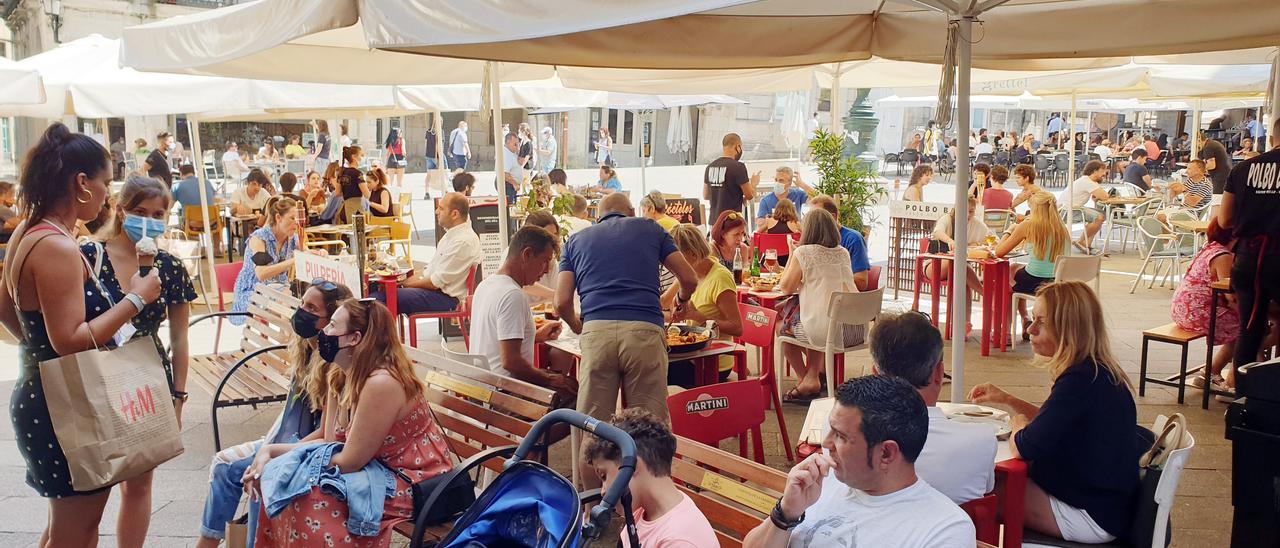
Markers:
point(137, 227)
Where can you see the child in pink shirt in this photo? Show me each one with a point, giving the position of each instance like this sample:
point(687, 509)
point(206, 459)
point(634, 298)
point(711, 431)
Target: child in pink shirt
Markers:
point(665, 517)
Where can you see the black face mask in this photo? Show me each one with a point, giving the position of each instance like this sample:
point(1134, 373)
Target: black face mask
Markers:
point(304, 324)
point(738, 155)
point(328, 347)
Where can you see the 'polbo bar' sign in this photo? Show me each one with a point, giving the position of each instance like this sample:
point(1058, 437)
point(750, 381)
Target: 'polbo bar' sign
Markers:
point(925, 211)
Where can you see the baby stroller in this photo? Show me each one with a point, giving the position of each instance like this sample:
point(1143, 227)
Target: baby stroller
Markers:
point(529, 505)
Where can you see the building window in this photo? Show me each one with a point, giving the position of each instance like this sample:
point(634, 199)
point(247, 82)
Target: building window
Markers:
point(628, 126)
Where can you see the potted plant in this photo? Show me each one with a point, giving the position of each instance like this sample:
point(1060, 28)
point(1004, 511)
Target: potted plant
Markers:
point(850, 182)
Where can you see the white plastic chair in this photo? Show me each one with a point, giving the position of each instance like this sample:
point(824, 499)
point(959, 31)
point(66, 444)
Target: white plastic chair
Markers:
point(1076, 268)
point(297, 167)
point(844, 309)
point(475, 360)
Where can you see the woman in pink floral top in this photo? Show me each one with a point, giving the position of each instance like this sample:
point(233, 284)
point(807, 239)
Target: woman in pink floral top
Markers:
point(375, 406)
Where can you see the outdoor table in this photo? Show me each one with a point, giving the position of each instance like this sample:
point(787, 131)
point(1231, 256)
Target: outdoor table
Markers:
point(704, 361)
point(1216, 290)
point(1108, 206)
point(996, 297)
point(389, 285)
point(815, 422)
point(237, 221)
point(1197, 228)
point(767, 299)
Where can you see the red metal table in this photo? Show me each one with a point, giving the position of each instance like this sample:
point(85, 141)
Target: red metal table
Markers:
point(995, 297)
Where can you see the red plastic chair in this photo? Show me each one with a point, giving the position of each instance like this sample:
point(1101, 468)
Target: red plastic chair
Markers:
point(462, 313)
point(708, 414)
point(225, 282)
point(873, 279)
point(765, 242)
point(758, 327)
point(1012, 492)
point(983, 513)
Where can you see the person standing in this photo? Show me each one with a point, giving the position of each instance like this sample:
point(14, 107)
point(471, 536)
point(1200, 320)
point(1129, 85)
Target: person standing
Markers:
point(604, 148)
point(431, 138)
point(139, 217)
point(157, 164)
point(725, 184)
point(55, 307)
point(525, 156)
point(613, 266)
point(395, 157)
point(1216, 160)
point(547, 149)
point(459, 148)
point(320, 158)
point(117, 156)
point(1249, 206)
point(512, 173)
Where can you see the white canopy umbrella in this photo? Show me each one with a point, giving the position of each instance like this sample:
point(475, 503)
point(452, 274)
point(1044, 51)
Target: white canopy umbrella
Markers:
point(19, 85)
point(680, 131)
point(634, 101)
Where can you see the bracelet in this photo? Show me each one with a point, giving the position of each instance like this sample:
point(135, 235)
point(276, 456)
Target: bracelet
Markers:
point(180, 395)
point(136, 300)
point(780, 521)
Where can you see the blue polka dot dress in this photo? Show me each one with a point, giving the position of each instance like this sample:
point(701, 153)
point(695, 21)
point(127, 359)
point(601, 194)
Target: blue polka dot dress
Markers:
point(248, 280)
point(47, 471)
point(175, 287)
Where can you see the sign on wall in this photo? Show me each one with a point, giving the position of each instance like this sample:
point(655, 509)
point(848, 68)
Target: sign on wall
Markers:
point(926, 211)
point(685, 210)
point(309, 267)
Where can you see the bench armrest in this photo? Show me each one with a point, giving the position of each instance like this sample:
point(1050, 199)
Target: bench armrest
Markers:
point(227, 376)
point(204, 317)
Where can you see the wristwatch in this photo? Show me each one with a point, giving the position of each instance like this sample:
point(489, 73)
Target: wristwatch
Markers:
point(136, 300)
point(180, 396)
point(780, 521)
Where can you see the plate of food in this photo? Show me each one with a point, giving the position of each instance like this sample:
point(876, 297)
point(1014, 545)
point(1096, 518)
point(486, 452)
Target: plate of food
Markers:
point(686, 338)
point(762, 283)
point(545, 309)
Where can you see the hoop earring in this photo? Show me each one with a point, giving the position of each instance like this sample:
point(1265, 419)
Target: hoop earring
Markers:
point(86, 191)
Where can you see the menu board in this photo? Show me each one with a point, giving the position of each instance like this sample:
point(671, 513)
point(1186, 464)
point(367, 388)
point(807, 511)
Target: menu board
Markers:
point(685, 210)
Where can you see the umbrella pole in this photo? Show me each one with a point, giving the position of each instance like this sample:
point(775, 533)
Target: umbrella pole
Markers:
point(500, 151)
point(835, 101)
point(1071, 168)
point(959, 276)
point(1195, 130)
point(644, 183)
point(193, 133)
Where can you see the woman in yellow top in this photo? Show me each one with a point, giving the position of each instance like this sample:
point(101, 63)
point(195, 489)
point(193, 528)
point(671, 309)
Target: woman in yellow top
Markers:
point(654, 206)
point(715, 298)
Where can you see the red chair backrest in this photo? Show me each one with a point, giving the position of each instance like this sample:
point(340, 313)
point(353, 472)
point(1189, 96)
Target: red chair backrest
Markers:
point(924, 245)
point(708, 414)
point(983, 513)
point(873, 279)
point(765, 242)
point(757, 325)
point(225, 276)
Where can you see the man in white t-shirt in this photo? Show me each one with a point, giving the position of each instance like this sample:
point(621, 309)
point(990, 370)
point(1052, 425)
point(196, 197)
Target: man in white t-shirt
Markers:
point(1087, 187)
point(578, 220)
point(502, 326)
point(958, 457)
point(984, 147)
point(861, 490)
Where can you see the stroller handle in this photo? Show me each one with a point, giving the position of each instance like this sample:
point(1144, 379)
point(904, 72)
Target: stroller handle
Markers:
point(601, 512)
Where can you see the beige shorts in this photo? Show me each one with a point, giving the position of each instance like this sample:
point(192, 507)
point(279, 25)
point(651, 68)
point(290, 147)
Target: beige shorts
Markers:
point(626, 355)
point(1076, 525)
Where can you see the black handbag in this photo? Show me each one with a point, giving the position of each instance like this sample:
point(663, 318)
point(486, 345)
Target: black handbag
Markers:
point(454, 500)
point(938, 246)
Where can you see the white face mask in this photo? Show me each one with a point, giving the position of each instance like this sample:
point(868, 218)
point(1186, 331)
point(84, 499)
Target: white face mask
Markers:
point(780, 189)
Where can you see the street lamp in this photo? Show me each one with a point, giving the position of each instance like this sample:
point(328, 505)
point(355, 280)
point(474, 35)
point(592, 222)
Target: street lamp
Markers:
point(53, 8)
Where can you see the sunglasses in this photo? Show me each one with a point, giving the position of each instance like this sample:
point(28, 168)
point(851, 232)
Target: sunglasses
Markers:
point(323, 284)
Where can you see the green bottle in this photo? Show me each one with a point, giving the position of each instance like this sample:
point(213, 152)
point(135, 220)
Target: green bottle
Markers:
point(755, 263)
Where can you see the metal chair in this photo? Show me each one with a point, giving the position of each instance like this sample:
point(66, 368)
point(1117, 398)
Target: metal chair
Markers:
point(1126, 223)
point(1043, 166)
point(1162, 248)
point(908, 157)
point(297, 167)
point(1061, 167)
point(1002, 158)
point(985, 158)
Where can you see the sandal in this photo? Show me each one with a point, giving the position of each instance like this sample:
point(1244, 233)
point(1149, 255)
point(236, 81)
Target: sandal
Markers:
point(1026, 325)
point(794, 396)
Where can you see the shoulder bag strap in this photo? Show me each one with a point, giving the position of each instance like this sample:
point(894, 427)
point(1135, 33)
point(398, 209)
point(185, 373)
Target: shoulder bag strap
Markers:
point(19, 261)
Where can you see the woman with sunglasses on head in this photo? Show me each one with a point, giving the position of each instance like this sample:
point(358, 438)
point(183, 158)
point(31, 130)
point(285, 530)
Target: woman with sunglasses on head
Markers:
point(269, 252)
point(129, 248)
point(299, 421)
point(54, 305)
point(728, 236)
point(375, 407)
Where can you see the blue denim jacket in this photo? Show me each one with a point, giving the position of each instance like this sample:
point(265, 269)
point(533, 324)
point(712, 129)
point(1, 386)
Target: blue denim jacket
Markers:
point(296, 472)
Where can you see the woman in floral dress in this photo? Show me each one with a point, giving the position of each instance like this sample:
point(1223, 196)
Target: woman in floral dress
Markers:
point(376, 407)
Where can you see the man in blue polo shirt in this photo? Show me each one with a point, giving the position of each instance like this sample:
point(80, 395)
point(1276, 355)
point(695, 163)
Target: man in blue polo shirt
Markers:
point(613, 266)
point(851, 240)
point(782, 188)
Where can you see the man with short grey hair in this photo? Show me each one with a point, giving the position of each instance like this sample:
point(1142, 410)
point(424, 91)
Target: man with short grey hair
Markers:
point(786, 184)
point(957, 457)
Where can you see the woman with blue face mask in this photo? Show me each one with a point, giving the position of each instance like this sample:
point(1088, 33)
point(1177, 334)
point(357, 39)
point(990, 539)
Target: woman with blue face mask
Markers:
point(129, 247)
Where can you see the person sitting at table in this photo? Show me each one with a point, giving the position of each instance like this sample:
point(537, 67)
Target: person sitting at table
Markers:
point(1082, 445)
point(559, 179)
point(1135, 173)
point(957, 457)
point(1196, 192)
point(464, 182)
point(1045, 239)
point(314, 194)
point(268, 253)
point(783, 220)
point(289, 181)
point(915, 143)
point(984, 146)
point(267, 153)
point(981, 179)
point(187, 194)
point(1246, 150)
point(1154, 152)
point(714, 299)
point(818, 268)
point(728, 237)
point(1025, 176)
point(783, 187)
point(942, 240)
point(380, 202)
point(852, 241)
point(329, 182)
point(1088, 187)
point(863, 488)
point(608, 182)
point(443, 282)
point(654, 206)
point(1103, 150)
point(996, 196)
point(664, 515)
point(1190, 307)
point(502, 326)
point(1022, 154)
point(578, 218)
point(294, 150)
point(920, 176)
point(251, 199)
point(232, 163)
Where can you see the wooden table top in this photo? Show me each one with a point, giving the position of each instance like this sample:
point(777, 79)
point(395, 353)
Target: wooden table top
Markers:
point(1191, 226)
point(1124, 200)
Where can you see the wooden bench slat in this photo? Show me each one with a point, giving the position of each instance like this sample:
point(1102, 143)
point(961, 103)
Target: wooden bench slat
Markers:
point(511, 385)
point(477, 435)
point(727, 519)
point(506, 409)
point(748, 470)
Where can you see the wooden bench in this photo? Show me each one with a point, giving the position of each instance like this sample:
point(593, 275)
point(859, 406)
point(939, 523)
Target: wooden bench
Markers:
point(735, 494)
point(1172, 334)
point(479, 411)
point(259, 371)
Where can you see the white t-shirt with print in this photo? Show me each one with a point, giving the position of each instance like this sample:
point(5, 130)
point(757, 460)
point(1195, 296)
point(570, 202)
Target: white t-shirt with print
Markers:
point(916, 517)
point(1081, 191)
point(500, 312)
